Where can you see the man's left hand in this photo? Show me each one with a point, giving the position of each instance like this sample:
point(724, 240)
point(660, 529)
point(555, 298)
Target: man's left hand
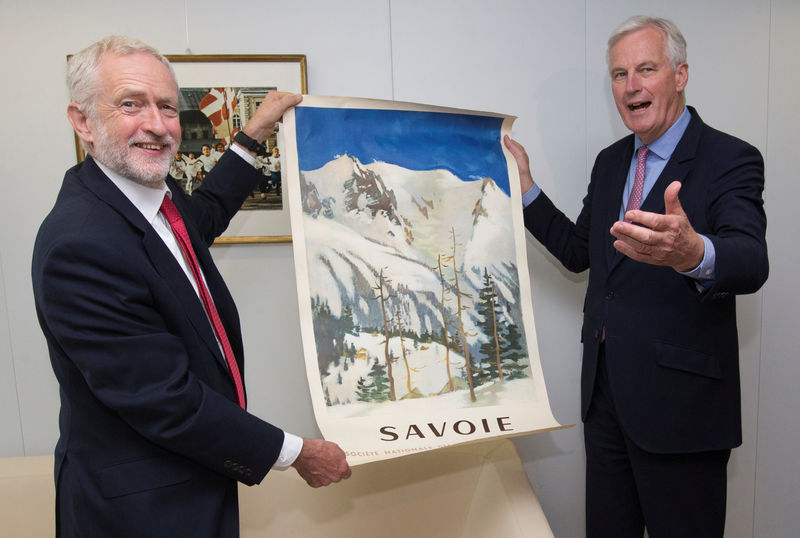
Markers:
point(667, 239)
point(321, 463)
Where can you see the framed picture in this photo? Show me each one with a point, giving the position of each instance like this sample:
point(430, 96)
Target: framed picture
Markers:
point(218, 94)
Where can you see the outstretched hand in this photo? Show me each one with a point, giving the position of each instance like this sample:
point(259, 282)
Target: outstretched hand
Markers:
point(269, 112)
point(321, 463)
point(523, 163)
point(667, 239)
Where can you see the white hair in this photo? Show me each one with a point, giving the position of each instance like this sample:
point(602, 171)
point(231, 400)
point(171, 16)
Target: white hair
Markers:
point(675, 46)
point(82, 68)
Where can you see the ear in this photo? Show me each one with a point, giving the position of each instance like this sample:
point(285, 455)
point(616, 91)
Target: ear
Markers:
point(80, 123)
point(681, 76)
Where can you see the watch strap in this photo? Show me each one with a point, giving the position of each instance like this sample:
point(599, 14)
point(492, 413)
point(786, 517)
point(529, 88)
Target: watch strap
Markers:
point(249, 144)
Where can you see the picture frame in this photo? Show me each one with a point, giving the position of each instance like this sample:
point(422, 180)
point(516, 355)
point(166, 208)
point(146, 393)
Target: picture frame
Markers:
point(250, 75)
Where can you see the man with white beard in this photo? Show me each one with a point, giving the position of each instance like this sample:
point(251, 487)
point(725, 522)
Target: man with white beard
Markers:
point(143, 334)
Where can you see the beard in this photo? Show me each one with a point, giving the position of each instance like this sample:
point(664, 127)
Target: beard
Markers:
point(117, 155)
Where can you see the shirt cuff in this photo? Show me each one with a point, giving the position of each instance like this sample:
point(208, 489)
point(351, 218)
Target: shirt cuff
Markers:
point(289, 451)
point(704, 271)
point(531, 195)
point(243, 153)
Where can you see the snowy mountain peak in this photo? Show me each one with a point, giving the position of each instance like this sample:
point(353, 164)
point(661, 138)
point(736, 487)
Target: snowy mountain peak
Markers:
point(408, 256)
point(366, 191)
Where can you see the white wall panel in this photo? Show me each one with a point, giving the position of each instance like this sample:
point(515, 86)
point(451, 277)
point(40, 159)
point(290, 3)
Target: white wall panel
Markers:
point(10, 424)
point(346, 43)
point(778, 474)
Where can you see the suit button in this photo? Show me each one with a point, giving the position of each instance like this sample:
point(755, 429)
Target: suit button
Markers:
point(228, 464)
point(610, 295)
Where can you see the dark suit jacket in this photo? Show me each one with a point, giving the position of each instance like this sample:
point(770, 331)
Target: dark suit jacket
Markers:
point(152, 440)
point(672, 352)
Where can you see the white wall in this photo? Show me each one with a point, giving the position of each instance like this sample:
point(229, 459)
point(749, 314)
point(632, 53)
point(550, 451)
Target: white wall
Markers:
point(776, 473)
point(542, 61)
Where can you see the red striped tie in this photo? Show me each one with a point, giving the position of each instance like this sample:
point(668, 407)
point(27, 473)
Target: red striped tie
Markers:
point(635, 199)
point(179, 229)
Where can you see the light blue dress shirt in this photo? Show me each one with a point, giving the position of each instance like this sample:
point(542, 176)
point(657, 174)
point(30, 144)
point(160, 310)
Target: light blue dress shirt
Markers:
point(660, 151)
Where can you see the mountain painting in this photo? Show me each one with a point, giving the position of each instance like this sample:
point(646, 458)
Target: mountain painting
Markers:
point(412, 277)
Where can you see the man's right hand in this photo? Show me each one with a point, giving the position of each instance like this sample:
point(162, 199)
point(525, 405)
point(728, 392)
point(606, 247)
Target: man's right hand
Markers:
point(321, 463)
point(270, 111)
point(523, 163)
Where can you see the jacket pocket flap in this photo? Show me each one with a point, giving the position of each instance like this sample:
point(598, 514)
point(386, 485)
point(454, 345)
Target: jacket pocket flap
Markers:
point(688, 360)
point(143, 475)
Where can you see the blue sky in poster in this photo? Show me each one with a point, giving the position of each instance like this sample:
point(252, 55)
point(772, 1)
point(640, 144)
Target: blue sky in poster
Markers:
point(466, 145)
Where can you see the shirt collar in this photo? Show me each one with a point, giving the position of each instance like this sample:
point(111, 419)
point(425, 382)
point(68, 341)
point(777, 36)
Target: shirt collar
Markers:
point(146, 199)
point(664, 145)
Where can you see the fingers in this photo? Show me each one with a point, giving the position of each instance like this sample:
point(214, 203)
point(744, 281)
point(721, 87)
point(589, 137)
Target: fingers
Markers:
point(517, 151)
point(667, 239)
point(523, 162)
point(660, 240)
point(656, 221)
point(269, 112)
point(280, 102)
point(630, 251)
point(646, 219)
point(321, 463)
point(672, 204)
point(633, 241)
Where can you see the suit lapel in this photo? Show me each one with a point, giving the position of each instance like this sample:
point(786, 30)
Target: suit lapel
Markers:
point(96, 181)
point(166, 265)
point(614, 202)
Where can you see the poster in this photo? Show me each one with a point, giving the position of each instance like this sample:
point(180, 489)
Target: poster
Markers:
point(409, 246)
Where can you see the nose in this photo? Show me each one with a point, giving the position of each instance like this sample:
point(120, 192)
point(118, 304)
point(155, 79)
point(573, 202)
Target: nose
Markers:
point(154, 122)
point(633, 83)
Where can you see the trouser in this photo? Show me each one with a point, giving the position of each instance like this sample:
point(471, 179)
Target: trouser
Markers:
point(628, 489)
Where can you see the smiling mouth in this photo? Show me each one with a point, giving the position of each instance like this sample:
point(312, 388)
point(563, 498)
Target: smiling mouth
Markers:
point(150, 146)
point(638, 106)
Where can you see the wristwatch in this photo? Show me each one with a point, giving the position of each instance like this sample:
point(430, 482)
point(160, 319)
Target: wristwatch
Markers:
point(249, 144)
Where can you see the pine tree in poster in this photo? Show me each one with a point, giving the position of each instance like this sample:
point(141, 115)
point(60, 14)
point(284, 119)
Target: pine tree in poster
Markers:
point(490, 349)
point(363, 390)
point(380, 382)
point(515, 364)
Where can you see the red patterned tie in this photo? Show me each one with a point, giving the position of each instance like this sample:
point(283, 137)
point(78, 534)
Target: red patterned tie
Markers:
point(635, 199)
point(179, 229)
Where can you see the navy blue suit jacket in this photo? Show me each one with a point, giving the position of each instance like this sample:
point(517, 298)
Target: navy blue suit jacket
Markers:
point(671, 351)
point(152, 440)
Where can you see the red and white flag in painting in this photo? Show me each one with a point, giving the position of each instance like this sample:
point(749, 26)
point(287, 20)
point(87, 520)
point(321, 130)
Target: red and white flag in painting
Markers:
point(219, 105)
